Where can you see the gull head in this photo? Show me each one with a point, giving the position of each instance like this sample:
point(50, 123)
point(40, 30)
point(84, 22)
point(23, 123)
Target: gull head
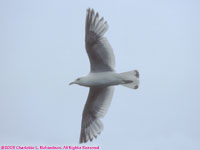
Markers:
point(77, 81)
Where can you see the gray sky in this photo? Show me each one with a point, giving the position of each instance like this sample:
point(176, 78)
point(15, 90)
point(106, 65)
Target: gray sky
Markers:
point(42, 50)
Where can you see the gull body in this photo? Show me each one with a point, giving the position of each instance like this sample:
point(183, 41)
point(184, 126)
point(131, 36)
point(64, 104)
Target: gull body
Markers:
point(99, 79)
point(102, 77)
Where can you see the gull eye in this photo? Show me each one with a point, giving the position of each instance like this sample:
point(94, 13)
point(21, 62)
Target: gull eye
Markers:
point(78, 79)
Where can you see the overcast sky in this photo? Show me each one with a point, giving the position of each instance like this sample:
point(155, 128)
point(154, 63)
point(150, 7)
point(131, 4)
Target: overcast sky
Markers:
point(42, 50)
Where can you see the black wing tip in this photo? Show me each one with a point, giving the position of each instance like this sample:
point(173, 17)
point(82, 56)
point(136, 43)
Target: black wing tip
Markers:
point(95, 132)
point(83, 140)
point(90, 10)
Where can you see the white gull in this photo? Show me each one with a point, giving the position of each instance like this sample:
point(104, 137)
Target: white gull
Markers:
point(102, 77)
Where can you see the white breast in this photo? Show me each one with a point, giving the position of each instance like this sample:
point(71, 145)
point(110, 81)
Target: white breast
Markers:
point(102, 79)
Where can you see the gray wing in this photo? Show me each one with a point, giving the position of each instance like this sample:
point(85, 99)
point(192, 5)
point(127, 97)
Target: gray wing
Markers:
point(97, 104)
point(99, 51)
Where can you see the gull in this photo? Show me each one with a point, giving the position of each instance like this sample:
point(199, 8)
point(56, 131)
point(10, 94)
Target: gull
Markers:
point(102, 77)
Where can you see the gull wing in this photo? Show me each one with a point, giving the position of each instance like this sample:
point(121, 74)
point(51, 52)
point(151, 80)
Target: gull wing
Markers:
point(99, 50)
point(97, 104)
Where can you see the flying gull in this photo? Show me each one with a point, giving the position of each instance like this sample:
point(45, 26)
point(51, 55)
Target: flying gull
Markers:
point(102, 76)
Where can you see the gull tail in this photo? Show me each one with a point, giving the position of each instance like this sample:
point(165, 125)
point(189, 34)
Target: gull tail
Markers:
point(131, 79)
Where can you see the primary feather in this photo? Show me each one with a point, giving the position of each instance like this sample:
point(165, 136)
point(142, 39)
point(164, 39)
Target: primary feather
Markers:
point(97, 105)
point(99, 51)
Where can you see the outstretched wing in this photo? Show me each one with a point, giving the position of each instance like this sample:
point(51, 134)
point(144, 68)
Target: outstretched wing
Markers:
point(97, 104)
point(99, 51)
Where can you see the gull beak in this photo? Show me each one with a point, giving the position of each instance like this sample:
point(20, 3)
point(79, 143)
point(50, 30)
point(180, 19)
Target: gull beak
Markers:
point(71, 83)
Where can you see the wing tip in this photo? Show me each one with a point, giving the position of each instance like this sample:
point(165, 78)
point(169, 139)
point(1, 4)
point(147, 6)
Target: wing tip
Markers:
point(92, 131)
point(95, 24)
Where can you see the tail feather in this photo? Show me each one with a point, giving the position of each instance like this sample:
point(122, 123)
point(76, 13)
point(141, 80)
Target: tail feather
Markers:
point(131, 79)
